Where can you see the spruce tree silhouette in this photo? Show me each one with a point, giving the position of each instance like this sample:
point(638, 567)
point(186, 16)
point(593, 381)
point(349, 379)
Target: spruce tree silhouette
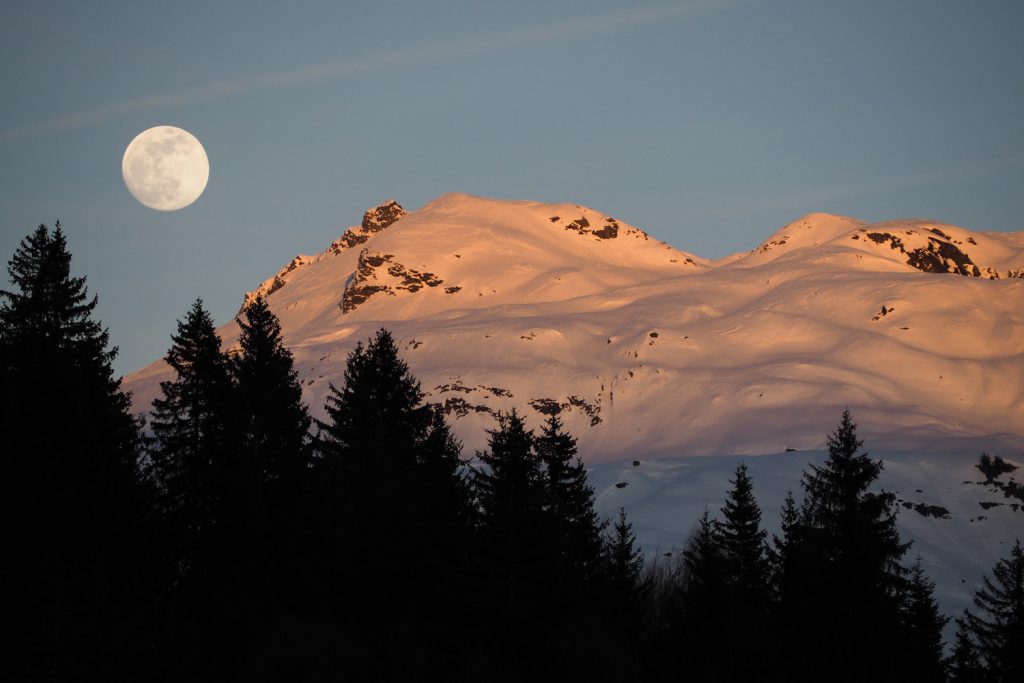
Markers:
point(275, 422)
point(624, 561)
point(389, 478)
point(747, 576)
point(998, 628)
point(744, 543)
point(195, 425)
point(515, 553)
point(75, 502)
point(569, 501)
point(444, 533)
point(784, 552)
point(702, 612)
point(792, 560)
point(626, 591)
point(376, 416)
point(850, 580)
point(964, 664)
point(269, 479)
point(573, 547)
point(923, 624)
point(447, 512)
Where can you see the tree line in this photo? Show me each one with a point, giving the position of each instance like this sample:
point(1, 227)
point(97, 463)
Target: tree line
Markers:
point(235, 537)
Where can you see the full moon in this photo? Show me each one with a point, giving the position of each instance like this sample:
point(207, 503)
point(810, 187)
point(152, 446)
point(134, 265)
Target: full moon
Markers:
point(165, 168)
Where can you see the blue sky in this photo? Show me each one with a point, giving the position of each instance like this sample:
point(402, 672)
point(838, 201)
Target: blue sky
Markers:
point(708, 124)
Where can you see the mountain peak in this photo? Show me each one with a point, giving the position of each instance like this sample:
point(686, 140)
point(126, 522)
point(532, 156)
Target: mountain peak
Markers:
point(558, 308)
point(906, 244)
point(375, 219)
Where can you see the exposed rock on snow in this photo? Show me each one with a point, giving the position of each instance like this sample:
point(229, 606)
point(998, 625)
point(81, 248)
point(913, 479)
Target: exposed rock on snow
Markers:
point(367, 280)
point(646, 350)
point(381, 216)
point(374, 220)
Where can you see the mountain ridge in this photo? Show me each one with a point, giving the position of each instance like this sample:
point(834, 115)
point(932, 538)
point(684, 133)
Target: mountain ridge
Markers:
point(669, 370)
point(645, 349)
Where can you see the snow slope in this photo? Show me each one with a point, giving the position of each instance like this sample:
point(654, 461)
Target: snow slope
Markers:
point(653, 354)
point(647, 350)
point(958, 524)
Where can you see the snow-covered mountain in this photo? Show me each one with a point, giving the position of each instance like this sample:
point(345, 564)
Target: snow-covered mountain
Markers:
point(646, 350)
point(655, 356)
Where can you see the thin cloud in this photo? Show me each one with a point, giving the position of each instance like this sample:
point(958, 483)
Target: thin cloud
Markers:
point(466, 47)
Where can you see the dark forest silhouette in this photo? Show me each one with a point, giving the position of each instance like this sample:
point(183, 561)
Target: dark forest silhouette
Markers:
point(243, 540)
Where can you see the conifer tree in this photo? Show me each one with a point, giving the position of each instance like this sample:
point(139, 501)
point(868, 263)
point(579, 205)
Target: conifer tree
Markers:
point(998, 628)
point(704, 559)
point(75, 502)
point(569, 502)
point(964, 664)
point(194, 457)
point(623, 603)
point(624, 561)
point(744, 544)
point(784, 550)
point(447, 512)
point(267, 486)
point(792, 571)
point(368, 451)
point(850, 577)
point(275, 422)
point(515, 558)
point(389, 478)
point(510, 491)
point(923, 624)
point(194, 426)
point(703, 604)
point(377, 416)
point(747, 575)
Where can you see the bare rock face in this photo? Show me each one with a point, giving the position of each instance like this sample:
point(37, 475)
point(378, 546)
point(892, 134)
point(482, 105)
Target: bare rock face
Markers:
point(368, 279)
point(941, 254)
point(382, 216)
point(348, 239)
point(275, 283)
point(582, 226)
point(374, 220)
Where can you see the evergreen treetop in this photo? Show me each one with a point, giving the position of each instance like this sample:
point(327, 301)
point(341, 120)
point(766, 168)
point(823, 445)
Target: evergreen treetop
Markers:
point(75, 502)
point(194, 420)
point(856, 527)
point(49, 319)
point(743, 539)
point(624, 560)
point(510, 487)
point(379, 410)
point(275, 429)
point(569, 498)
point(964, 665)
point(923, 624)
point(998, 628)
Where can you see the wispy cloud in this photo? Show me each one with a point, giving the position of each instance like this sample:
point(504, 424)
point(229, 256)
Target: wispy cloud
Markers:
point(438, 51)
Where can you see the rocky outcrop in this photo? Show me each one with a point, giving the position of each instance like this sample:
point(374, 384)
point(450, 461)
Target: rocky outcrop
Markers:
point(582, 226)
point(550, 407)
point(275, 283)
point(940, 254)
point(374, 220)
point(381, 216)
point(378, 273)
